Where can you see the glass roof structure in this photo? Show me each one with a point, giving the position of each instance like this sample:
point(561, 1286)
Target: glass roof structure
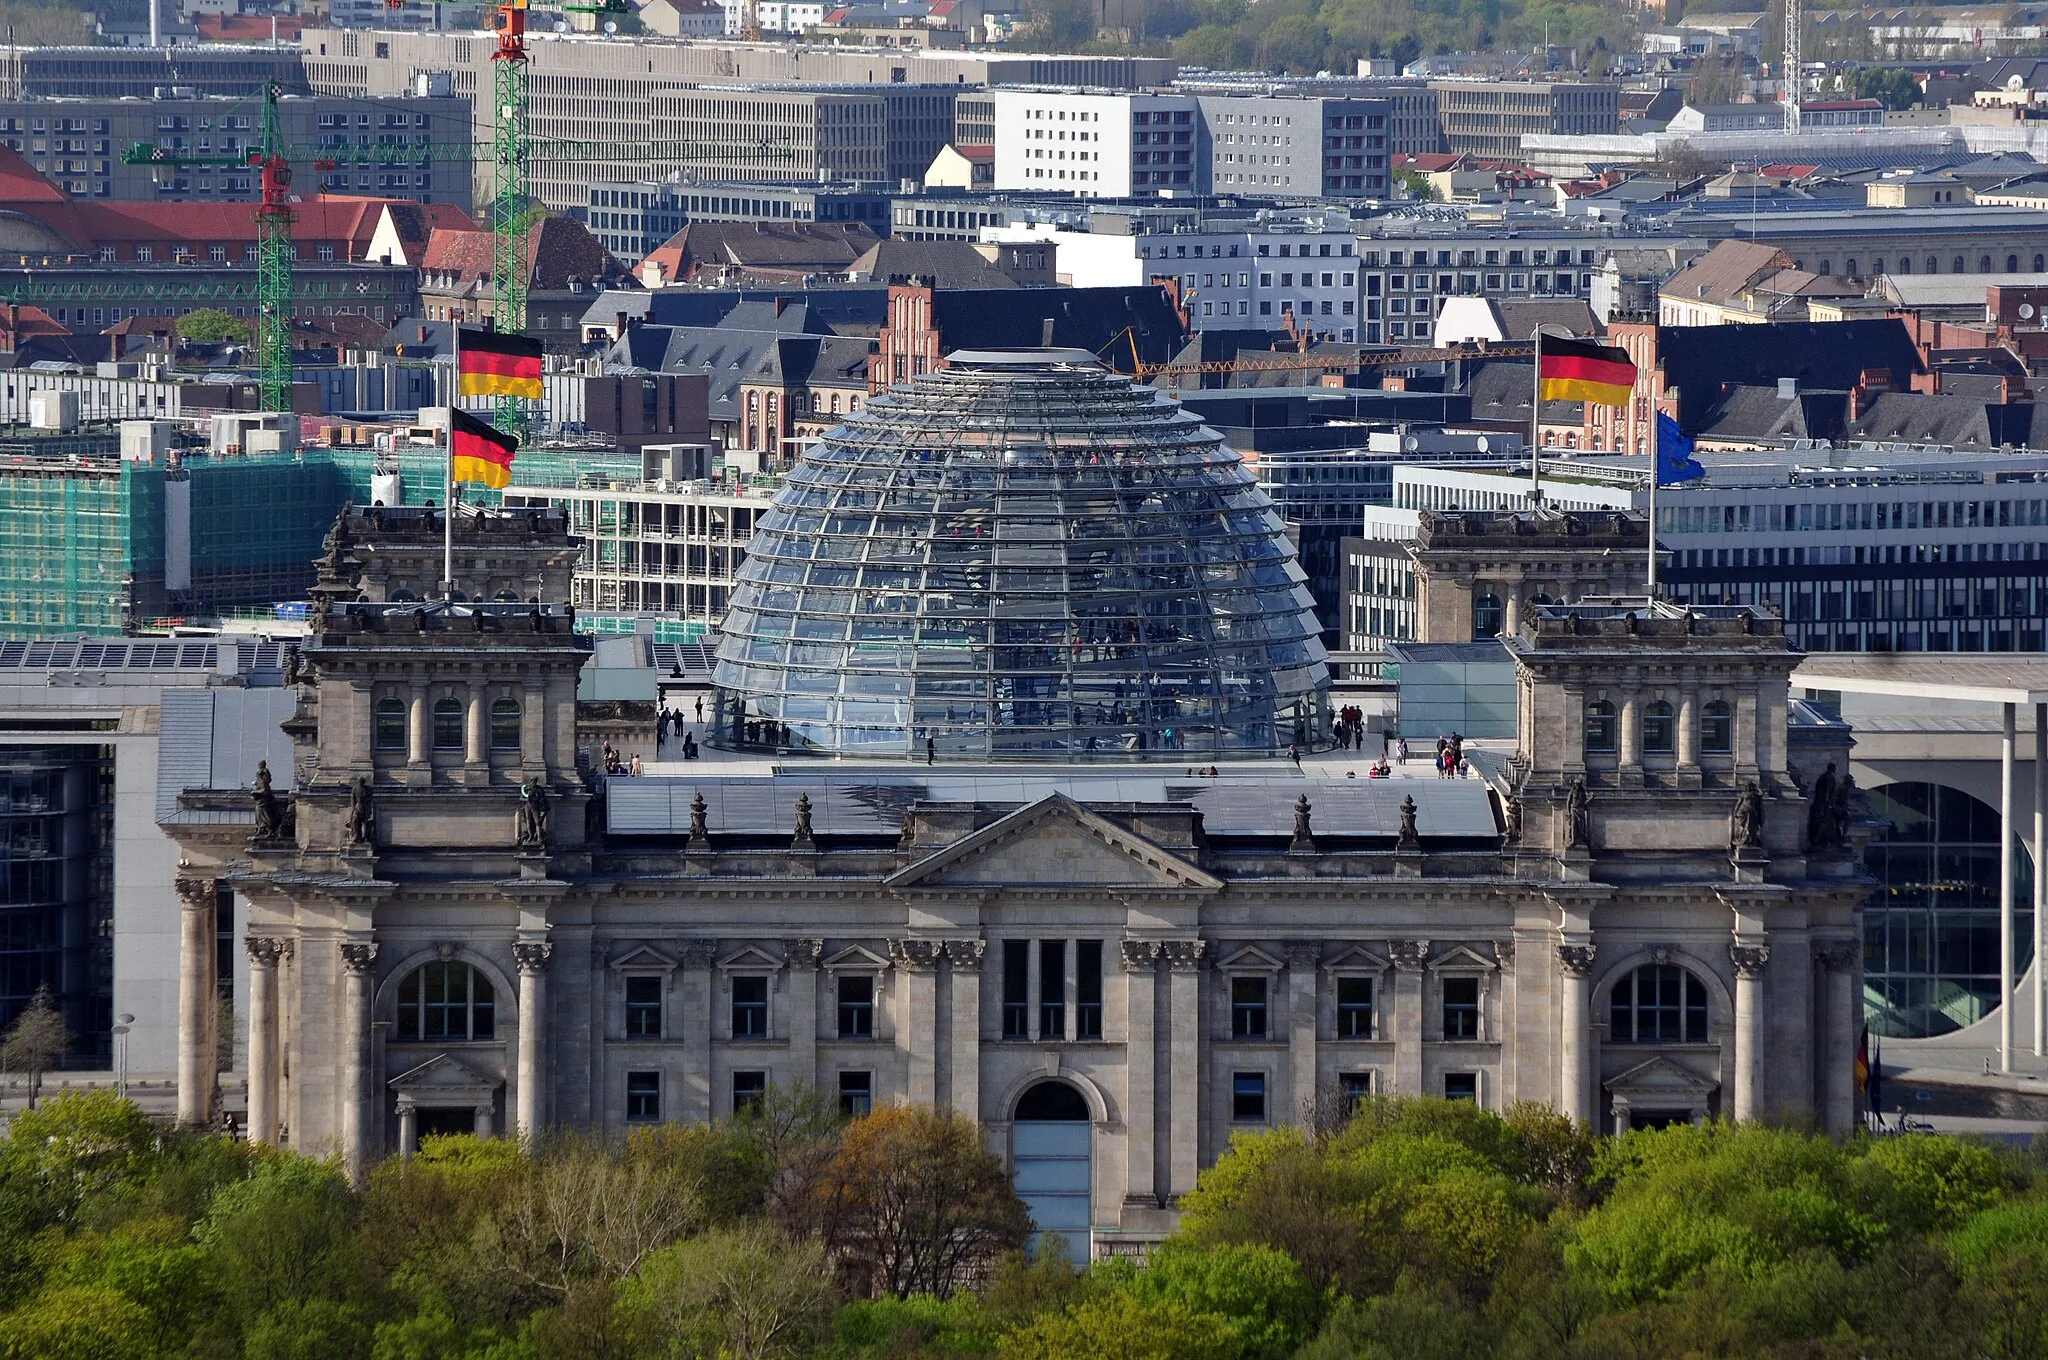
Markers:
point(1023, 555)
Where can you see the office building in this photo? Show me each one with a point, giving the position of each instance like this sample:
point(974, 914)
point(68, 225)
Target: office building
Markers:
point(1308, 147)
point(105, 74)
point(1100, 145)
point(1490, 117)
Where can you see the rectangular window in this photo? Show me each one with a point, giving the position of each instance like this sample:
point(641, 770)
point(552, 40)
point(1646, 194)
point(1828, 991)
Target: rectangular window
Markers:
point(1248, 1097)
point(1352, 1089)
point(1016, 989)
point(1461, 1086)
point(749, 1089)
point(1052, 989)
point(856, 1008)
point(1087, 989)
point(643, 1097)
point(1461, 1008)
point(1354, 1008)
point(750, 1008)
point(856, 1093)
point(643, 1007)
point(1248, 1008)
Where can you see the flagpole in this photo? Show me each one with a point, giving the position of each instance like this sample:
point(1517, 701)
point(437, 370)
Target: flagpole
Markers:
point(1655, 455)
point(448, 503)
point(1536, 429)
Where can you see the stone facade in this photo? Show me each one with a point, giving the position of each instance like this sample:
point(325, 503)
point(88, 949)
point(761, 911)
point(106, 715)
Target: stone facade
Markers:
point(473, 934)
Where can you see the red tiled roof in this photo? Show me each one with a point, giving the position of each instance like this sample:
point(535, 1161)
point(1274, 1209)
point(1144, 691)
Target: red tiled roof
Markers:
point(559, 249)
point(977, 153)
point(1786, 170)
point(247, 27)
point(21, 182)
point(26, 323)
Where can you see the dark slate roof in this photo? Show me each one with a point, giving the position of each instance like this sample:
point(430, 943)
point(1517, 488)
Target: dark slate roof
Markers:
point(1966, 422)
point(859, 308)
point(1759, 415)
point(777, 245)
point(1699, 361)
point(1502, 389)
point(939, 264)
point(1082, 318)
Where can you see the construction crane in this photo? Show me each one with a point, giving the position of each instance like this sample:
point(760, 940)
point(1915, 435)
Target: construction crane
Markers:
point(1279, 361)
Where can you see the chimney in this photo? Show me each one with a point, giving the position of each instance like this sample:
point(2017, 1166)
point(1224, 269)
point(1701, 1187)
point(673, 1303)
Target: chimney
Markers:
point(1859, 401)
point(1788, 388)
point(618, 323)
point(1045, 334)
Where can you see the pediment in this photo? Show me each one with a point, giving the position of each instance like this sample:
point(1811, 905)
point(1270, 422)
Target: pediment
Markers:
point(442, 1074)
point(1054, 843)
point(856, 959)
point(1249, 959)
point(750, 959)
point(1357, 959)
point(1660, 1076)
point(1459, 956)
point(646, 958)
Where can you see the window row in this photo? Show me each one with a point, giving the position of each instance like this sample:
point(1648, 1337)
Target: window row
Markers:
point(749, 1090)
point(1660, 728)
point(448, 717)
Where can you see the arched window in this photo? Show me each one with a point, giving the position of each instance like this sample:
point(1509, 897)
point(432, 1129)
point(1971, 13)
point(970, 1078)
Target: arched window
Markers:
point(1849, 266)
point(1961, 265)
point(504, 724)
point(1905, 264)
point(1658, 1003)
point(1717, 728)
point(1934, 264)
point(1601, 728)
point(2012, 264)
point(1659, 728)
point(1486, 615)
point(391, 724)
point(450, 1001)
point(1983, 264)
point(1877, 266)
point(1826, 265)
point(447, 724)
point(2041, 264)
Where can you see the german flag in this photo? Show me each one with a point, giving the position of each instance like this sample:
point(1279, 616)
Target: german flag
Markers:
point(1576, 371)
point(478, 452)
point(497, 365)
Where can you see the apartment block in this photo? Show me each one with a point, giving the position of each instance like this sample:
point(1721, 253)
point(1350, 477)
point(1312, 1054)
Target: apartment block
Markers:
point(1098, 144)
point(1315, 148)
point(1490, 117)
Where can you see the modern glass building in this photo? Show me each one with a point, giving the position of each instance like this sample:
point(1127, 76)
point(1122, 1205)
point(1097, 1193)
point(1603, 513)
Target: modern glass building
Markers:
point(1022, 555)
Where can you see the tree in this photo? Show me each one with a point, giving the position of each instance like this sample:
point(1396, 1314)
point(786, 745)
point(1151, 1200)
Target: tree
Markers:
point(1059, 25)
point(78, 1148)
point(916, 1204)
point(740, 1294)
point(35, 1041)
point(1262, 1291)
point(210, 325)
point(1894, 88)
point(585, 1210)
point(77, 1323)
point(1118, 1326)
point(283, 1236)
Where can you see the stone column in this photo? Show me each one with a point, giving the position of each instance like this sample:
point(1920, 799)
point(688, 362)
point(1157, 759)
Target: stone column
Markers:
point(1408, 957)
point(531, 1110)
point(358, 963)
point(408, 1127)
point(1575, 1068)
point(1574, 728)
point(1141, 1102)
point(263, 958)
point(1838, 1035)
point(804, 957)
point(484, 1121)
point(1750, 960)
point(1688, 728)
point(533, 725)
point(1748, 744)
point(1184, 1062)
point(474, 751)
point(696, 1029)
point(963, 960)
point(1631, 745)
point(195, 1000)
point(1302, 958)
point(918, 1036)
point(418, 750)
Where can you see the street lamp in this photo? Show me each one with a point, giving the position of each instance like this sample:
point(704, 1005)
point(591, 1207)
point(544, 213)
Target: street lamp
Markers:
point(121, 1054)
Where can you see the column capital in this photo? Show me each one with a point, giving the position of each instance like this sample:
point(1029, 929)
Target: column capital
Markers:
point(1577, 959)
point(264, 952)
point(357, 956)
point(965, 954)
point(1139, 956)
point(1303, 955)
point(196, 894)
point(1838, 956)
point(1183, 956)
point(531, 956)
point(917, 955)
point(1749, 959)
point(1408, 956)
point(805, 953)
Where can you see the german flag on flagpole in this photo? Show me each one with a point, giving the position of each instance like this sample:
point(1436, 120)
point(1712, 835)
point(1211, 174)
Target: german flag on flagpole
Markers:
point(1576, 371)
point(478, 452)
point(493, 364)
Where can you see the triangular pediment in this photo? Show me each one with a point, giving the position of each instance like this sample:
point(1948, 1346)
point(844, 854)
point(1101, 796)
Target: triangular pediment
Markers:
point(1660, 1076)
point(1054, 842)
point(442, 1073)
point(750, 959)
point(1249, 959)
point(645, 959)
point(856, 959)
point(1357, 959)
point(1460, 956)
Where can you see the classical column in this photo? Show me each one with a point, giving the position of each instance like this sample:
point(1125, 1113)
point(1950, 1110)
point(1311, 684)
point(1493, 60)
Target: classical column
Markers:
point(532, 957)
point(473, 751)
point(804, 957)
point(1408, 957)
point(1574, 1051)
point(1748, 743)
point(918, 1037)
point(263, 958)
point(1749, 960)
point(484, 1121)
point(358, 961)
point(408, 1127)
point(1574, 727)
point(1184, 1059)
point(1688, 728)
point(1838, 1035)
point(1631, 743)
point(195, 999)
point(1141, 1102)
point(1302, 958)
point(417, 751)
point(533, 725)
point(963, 961)
point(696, 1030)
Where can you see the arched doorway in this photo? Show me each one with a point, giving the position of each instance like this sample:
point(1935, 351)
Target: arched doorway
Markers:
point(1050, 1155)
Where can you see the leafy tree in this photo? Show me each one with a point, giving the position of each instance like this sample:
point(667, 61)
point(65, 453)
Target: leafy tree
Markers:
point(1894, 88)
point(281, 1238)
point(586, 1209)
point(1120, 1326)
point(77, 1323)
point(76, 1148)
point(1058, 25)
point(740, 1293)
point(1262, 1291)
point(917, 1204)
point(35, 1041)
point(211, 324)
point(309, 1329)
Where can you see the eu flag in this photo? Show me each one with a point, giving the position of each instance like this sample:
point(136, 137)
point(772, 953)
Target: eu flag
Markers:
point(1675, 462)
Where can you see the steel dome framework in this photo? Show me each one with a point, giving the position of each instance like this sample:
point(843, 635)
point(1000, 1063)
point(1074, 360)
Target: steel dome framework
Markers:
point(1022, 555)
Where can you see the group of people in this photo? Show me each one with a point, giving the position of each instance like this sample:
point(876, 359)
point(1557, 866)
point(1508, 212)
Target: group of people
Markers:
point(614, 764)
point(1349, 728)
point(667, 722)
point(1450, 757)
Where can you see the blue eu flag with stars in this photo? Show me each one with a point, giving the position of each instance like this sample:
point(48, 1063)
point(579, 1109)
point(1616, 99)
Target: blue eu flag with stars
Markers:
point(1675, 462)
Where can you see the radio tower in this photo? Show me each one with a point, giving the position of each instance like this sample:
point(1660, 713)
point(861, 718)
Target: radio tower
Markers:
point(1794, 22)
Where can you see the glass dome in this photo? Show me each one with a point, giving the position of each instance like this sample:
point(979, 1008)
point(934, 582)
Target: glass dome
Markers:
point(1022, 555)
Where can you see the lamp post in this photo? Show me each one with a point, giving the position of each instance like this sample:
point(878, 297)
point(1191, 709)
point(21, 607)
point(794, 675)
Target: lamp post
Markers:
point(121, 1054)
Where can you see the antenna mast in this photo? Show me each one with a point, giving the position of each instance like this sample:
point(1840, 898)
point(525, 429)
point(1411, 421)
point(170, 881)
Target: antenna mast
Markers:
point(1795, 22)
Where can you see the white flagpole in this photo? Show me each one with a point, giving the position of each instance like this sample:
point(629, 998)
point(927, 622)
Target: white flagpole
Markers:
point(1656, 437)
point(448, 504)
point(1536, 429)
